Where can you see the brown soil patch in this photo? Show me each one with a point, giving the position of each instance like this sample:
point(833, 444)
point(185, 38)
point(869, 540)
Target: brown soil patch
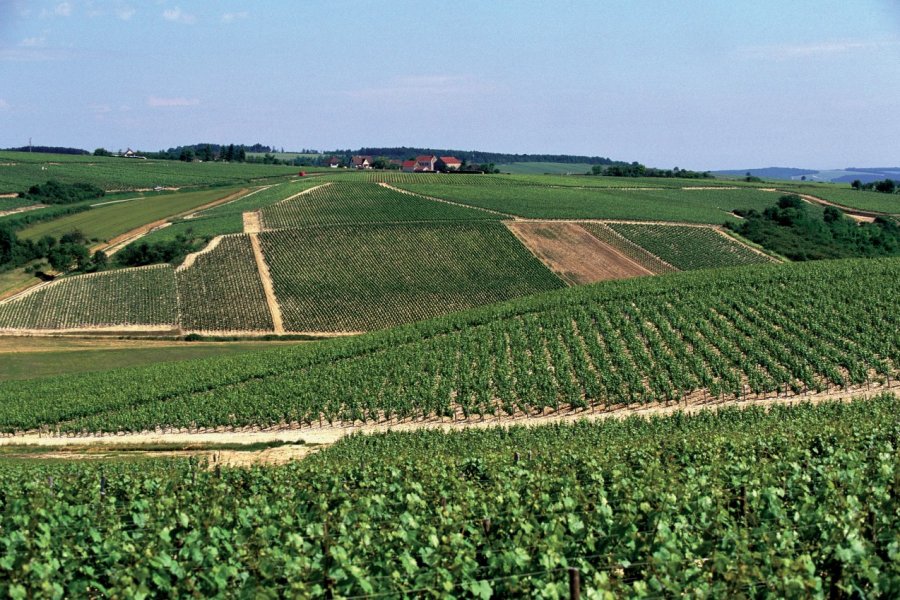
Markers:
point(15, 211)
point(571, 252)
point(268, 288)
point(252, 222)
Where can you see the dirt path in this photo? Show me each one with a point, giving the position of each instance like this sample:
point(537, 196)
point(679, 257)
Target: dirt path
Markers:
point(318, 436)
point(252, 222)
point(15, 211)
point(191, 258)
point(571, 252)
point(120, 241)
point(433, 199)
point(268, 288)
point(867, 216)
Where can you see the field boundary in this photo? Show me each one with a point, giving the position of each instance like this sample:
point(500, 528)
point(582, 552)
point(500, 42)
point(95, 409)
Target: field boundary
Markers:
point(857, 212)
point(58, 280)
point(743, 243)
point(268, 288)
point(329, 434)
point(450, 202)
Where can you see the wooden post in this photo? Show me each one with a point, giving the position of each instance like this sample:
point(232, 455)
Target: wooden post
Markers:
point(574, 584)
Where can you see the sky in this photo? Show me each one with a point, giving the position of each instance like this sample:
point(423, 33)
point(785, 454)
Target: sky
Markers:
point(704, 84)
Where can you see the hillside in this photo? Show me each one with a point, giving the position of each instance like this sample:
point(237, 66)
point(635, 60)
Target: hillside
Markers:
point(700, 335)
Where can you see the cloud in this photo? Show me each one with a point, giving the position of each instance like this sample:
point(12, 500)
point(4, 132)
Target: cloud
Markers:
point(33, 42)
point(815, 49)
point(125, 13)
point(4, 105)
point(176, 15)
point(235, 16)
point(157, 102)
point(63, 9)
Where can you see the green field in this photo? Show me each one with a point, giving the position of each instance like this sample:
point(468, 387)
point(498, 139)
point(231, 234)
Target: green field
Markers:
point(846, 196)
point(541, 168)
point(350, 278)
point(228, 218)
point(742, 333)
point(14, 203)
point(542, 202)
point(344, 203)
point(106, 222)
point(143, 297)
point(58, 358)
point(222, 290)
point(685, 247)
point(802, 498)
point(21, 170)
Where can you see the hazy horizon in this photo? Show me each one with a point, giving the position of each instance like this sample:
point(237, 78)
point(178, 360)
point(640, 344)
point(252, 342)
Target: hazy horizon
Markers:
point(703, 86)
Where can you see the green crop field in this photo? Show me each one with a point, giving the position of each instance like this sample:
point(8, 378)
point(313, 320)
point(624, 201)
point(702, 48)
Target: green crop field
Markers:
point(685, 247)
point(749, 332)
point(143, 297)
point(222, 290)
point(540, 168)
point(803, 499)
point(641, 256)
point(14, 203)
point(341, 203)
point(228, 218)
point(846, 196)
point(103, 223)
point(21, 170)
point(366, 277)
point(542, 202)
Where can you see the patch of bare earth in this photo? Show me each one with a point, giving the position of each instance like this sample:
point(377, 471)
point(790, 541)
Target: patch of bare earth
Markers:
point(571, 252)
point(268, 287)
point(252, 222)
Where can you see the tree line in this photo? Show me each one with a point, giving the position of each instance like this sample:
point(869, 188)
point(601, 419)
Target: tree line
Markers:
point(636, 169)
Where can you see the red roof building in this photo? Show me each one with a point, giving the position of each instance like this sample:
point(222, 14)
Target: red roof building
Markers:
point(425, 163)
point(449, 163)
point(408, 166)
point(361, 162)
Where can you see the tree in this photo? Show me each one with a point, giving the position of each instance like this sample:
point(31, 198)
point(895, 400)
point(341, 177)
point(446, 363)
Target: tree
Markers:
point(102, 152)
point(65, 257)
point(886, 187)
point(187, 155)
point(100, 261)
point(856, 185)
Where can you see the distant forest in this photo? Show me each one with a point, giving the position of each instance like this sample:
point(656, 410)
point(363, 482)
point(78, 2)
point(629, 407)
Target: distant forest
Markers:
point(48, 150)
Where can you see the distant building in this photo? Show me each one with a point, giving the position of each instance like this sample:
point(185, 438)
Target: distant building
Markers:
point(449, 163)
point(334, 162)
point(361, 162)
point(408, 166)
point(425, 163)
point(132, 154)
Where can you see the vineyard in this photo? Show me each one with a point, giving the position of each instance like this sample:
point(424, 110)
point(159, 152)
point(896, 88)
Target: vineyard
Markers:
point(641, 256)
point(344, 203)
point(745, 333)
point(351, 278)
point(222, 290)
point(686, 247)
point(142, 297)
point(794, 502)
point(21, 170)
point(544, 202)
point(845, 196)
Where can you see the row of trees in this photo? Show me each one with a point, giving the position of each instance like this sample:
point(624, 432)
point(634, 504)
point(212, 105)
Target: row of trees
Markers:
point(888, 186)
point(636, 169)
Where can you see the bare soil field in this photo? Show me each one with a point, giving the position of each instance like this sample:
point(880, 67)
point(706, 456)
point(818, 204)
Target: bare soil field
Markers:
point(571, 252)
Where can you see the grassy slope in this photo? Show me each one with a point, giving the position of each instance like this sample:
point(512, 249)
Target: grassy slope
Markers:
point(846, 196)
point(21, 170)
point(373, 276)
point(106, 222)
point(816, 323)
point(34, 365)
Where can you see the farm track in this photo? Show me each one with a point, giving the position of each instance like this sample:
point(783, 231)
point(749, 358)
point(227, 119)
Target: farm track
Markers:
point(318, 436)
point(268, 287)
point(858, 213)
point(15, 211)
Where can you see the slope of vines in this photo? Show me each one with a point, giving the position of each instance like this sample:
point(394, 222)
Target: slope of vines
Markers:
point(795, 502)
point(143, 296)
point(740, 333)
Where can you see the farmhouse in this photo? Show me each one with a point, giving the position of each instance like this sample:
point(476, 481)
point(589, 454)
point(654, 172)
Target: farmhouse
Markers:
point(334, 162)
point(425, 163)
point(132, 154)
point(449, 163)
point(361, 162)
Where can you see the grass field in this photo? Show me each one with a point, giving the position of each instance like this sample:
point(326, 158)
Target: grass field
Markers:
point(369, 277)
point(33, 358)
point(540, 168)
point(692, 206)
point(21, 170)
point(14, 203)
point(687, 248)
point(846, 196)
point(344, 203)
point(106, 222)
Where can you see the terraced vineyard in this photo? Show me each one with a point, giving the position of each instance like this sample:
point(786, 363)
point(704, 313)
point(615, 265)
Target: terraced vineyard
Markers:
point(222, 290)
point(142, 297)
point(686, 247)
point(343, 203)
point(478, 513)
point(361, 277)
point(742, 333)
point(544, 202)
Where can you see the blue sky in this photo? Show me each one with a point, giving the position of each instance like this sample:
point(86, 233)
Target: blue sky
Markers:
point(703, 84)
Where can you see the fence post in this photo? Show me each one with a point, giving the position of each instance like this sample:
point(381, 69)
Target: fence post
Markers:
point(574, 584)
